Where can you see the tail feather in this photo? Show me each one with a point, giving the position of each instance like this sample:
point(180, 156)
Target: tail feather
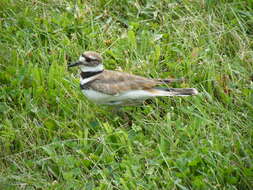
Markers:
point(176, 91)
point(171, 80)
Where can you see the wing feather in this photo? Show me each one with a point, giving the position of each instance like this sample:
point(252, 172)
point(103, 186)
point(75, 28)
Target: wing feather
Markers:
point(113, 82)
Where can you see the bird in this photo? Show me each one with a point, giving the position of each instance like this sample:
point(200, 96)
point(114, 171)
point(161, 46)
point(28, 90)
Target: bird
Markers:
point(120, 88)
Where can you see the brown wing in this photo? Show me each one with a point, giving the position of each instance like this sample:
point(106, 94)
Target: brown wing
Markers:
point(113, 82)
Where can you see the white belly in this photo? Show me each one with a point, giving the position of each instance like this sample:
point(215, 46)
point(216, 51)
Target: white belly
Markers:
point(128, 96)
point(97, 97)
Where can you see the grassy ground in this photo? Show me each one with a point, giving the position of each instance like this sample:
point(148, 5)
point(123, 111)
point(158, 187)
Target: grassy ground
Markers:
point(52, 137)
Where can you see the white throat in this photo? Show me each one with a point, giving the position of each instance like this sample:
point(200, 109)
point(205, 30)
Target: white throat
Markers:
point(97, 68)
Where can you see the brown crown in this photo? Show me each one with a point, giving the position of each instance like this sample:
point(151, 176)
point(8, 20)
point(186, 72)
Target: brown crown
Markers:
point(93, 56)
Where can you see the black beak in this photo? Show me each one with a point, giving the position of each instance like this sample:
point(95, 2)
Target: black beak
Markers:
point(74, 64)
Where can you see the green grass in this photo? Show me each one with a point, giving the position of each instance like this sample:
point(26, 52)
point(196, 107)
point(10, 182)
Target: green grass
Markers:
point(52, 137)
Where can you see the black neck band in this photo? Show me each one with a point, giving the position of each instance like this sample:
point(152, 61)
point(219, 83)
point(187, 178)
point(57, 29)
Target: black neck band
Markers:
point(85, 75)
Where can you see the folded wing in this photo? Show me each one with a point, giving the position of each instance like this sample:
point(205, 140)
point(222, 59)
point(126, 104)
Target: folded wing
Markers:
point(113, 83)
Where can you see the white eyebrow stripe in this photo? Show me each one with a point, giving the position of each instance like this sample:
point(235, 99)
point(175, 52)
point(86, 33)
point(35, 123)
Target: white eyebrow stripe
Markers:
point(92, 57)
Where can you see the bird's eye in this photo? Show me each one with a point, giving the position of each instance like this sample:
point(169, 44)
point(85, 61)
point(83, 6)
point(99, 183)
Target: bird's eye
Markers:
point(88, 59)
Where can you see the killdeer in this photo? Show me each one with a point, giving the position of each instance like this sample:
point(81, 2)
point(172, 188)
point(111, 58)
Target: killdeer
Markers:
point(119, 88)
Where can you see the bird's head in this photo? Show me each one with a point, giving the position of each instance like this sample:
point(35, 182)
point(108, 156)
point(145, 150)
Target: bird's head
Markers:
point(89, 61)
